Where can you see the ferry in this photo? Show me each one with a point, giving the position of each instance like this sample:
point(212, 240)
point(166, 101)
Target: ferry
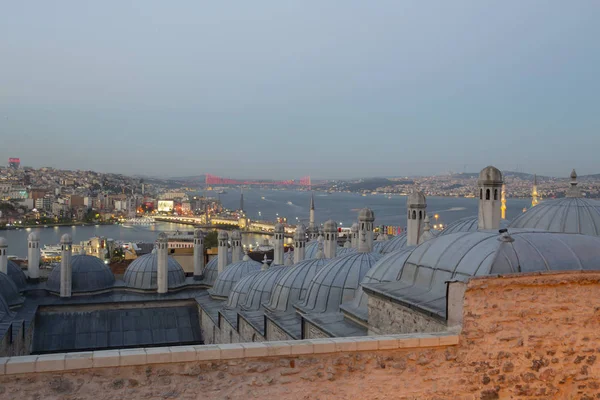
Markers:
point(141, 221)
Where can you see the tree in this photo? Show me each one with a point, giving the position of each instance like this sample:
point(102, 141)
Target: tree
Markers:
point(210, 240)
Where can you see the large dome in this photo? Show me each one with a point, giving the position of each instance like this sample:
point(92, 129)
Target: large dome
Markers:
point(142, 273)
point(231, 275)
point(337, 282)
point(569, 215)
point(293, 285)
point(461, 255)
point(9, 291)
point(261, 288)
point(89, 274)
point(211, 271)
point(17, 275)
point(395, 243)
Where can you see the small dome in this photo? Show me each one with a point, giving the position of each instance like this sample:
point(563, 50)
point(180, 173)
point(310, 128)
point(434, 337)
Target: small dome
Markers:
point(240, 290)
point(292, 286)
point(387, 269)
point(89, 274)
point(236, 235)
point(17, 275)
point(568, 215)
point(3, 242)
point(227, 279)
point(66, 238)
point(223, 235)
point(33, 237)
point(163, 237)
point(10, 291)
point(395, 243)
point(261, 287)
point(212, 269)
point(330, 226)
point(337, 282)
point(354, 227)
point(416, 198)
point(142, 273)
point(573, 174)
point(490, 176)
point(279, 228)
point(198, 234)
point(366, 215)
point(468, 224)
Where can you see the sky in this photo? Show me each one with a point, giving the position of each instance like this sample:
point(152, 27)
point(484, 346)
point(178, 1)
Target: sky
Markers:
point(283, 89)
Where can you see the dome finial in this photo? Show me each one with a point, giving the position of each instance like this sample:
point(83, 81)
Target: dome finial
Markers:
point(427, 226)
point(82, 251)
point(320, 252)
point(265, 264)
point(573, 191)
point(246, 256)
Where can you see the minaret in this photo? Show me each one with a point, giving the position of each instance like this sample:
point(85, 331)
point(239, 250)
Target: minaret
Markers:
point(162, 255)
point(33, 256)
point(573, 190)
point(66, 276)
point(416, 204)
point(236, 246)
point(354, 235)
point(222, 254)
point(311, 219)
point(366, 217)
point(534, 192)
point(278, 245)
point(198, 254)
point(299, 244)
point(490, 184)
point(3, 255)
point(331, 235)
point(503, 200)
point(242, 201)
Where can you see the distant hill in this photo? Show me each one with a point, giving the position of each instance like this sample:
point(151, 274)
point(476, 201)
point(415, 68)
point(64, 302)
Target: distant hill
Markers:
point(512, 174)
point(374, 183)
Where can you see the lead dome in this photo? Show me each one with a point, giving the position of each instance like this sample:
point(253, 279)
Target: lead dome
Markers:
point(490, 176)
point(9, 291)
point(416, 197)
point(142, 273)
point(89, 274)
point(337, 282)
point(227, 279)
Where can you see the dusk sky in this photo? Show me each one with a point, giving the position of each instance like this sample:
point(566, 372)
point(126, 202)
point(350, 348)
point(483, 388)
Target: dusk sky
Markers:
point(284, 89)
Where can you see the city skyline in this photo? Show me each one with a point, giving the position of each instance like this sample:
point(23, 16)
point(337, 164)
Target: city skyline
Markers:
point(288, 90)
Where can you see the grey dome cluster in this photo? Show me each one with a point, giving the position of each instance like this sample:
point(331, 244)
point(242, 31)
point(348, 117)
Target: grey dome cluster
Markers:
point(461, 255)
point(17, 275)
point(387, 269)
point(261, 287)
point(227, 279)
point(396, 243)
point(337, 282)
point(569, 215)
point(89, 274)
point(9, 291)
point(293, 285)
point(212, 269)
point(237, 296)
point(142, 273)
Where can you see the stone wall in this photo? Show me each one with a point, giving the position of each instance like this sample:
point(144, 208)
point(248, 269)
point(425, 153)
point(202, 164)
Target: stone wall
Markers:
point(311, 331)
point(248, 333)
point(228, 333)
point(210, 332)
point(387, 317)
point(534, 336)
point(275, 333)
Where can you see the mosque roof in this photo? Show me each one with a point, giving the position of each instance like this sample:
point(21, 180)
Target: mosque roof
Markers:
point(232, 274)
point(262, 286)
point(394, 243)
point(142, 272)
point(569, 215)
point(89, 274)
point(460, 255)
point(293, 284)
point(238, 293)
point(467, 224)
point(337, 282)
point(9, 291)
point(17, 275)
point(211, 271)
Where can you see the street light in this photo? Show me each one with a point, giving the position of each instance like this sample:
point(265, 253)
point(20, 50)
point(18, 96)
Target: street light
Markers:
point(436, 217)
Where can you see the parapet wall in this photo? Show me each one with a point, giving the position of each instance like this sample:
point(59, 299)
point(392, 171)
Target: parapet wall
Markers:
point(531, 335)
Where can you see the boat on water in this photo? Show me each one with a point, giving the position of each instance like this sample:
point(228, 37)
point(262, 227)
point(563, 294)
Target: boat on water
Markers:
point(138, 221)
point(290, 203)
point(262, 197)
point(50, 251)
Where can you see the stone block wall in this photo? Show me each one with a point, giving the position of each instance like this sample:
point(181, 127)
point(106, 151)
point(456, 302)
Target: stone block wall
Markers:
point(248, 333)
point(387, 317)
point(535, 336)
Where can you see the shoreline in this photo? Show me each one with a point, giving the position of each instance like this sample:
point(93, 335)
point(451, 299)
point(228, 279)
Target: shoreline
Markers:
point(16, 228)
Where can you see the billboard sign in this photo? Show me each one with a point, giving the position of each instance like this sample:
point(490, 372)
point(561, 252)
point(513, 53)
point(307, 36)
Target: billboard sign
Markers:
point(165, 206)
